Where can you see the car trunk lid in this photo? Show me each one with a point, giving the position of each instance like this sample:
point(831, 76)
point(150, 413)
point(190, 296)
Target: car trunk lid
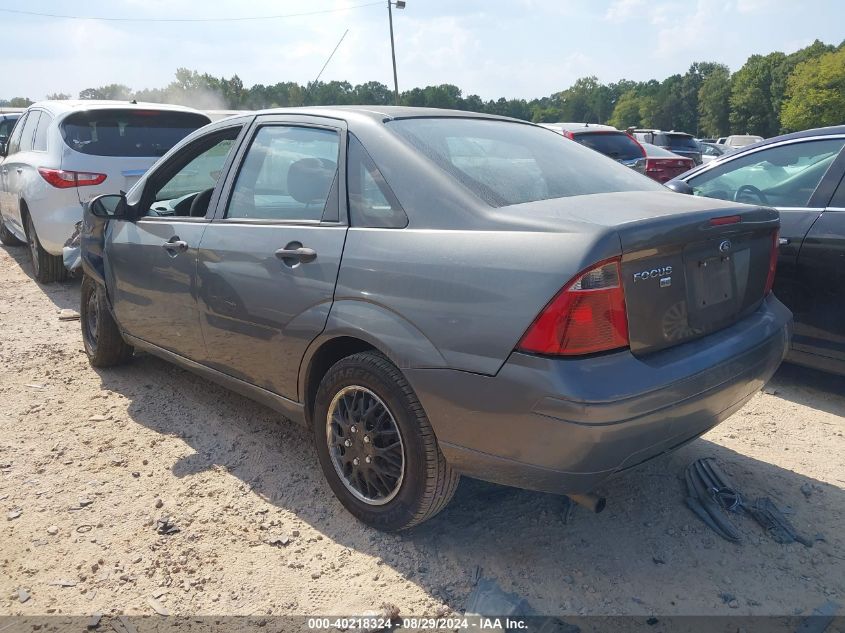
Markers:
point(689, 265)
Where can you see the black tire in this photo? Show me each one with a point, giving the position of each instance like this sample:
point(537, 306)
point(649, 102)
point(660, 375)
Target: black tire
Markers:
point(427, 482)
point(47, 268)
point(104, 345)
point(7, 237)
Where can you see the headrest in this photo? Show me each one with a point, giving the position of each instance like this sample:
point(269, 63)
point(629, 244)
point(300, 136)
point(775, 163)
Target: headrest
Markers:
point(309, 179)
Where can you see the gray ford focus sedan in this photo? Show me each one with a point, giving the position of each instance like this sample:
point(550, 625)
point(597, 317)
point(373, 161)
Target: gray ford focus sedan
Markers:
point(438, 293)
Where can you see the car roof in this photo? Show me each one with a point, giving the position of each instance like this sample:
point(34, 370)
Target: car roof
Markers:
point(57, 107)
point(580, 127)
point(384, 113)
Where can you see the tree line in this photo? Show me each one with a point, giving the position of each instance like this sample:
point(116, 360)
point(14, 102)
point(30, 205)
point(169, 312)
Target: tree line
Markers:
point(770, 94)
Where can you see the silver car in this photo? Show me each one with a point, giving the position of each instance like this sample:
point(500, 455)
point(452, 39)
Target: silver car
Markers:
point(438, 293)
point(63, 153)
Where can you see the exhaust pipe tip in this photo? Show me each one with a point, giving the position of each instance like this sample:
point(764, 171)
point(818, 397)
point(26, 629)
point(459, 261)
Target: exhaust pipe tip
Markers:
point(593, 503)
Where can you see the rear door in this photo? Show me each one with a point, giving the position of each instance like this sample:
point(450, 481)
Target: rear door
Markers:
point(17, 167)
point(151, 261)
point(268, 263)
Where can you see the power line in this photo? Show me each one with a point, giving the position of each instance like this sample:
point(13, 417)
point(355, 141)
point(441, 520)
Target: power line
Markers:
point(235, 19)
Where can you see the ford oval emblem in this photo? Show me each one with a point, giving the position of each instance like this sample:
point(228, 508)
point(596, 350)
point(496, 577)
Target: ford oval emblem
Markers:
point(725, 247)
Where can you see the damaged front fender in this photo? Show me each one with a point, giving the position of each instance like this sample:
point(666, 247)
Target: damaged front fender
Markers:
point(91, 244)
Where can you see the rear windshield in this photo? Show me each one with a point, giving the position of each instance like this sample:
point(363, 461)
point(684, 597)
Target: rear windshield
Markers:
point(128, 132)
point(506, 163)
point(683, 142)
point(617, 145)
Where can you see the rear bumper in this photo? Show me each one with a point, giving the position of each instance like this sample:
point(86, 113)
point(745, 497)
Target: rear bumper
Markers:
point(566, 425)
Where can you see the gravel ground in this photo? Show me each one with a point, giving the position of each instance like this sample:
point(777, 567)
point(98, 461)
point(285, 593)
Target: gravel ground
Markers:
point(91, 460)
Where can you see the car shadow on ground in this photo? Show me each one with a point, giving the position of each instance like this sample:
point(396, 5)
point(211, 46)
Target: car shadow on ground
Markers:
point(810, 387)
point(529, 542)
point(63, 295)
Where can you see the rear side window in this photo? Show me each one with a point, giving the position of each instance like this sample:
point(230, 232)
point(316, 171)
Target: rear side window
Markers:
point(29, 130)
point(115, 132)
point(371, 201)
point(39, 144)
point(506, 163)
point(617, 145)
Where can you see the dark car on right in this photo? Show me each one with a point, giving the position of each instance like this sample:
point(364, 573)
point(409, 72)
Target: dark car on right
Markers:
point(802, 175)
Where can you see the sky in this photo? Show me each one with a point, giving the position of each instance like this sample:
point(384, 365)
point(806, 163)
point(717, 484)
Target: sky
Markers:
point(493, 48)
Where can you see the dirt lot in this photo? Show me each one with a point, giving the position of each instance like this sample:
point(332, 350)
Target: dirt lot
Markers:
point(92, 459)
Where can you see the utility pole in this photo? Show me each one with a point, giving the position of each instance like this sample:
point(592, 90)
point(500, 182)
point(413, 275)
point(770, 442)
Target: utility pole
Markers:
point(400, 4)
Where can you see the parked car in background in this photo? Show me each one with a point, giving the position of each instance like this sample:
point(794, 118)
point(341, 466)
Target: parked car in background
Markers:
point(803, 176)
point(711, 151)
point(437, 293)
point(741, 140)
point(677, 142)
point(721, 140)
point(606, 139)
point(62, 153)
point(662, 165)
point(7, 123)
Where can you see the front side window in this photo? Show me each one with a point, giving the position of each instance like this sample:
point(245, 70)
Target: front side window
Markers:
point(506, 163)
point(287, 175)
point(186, 187)
point(783, 176)
point(129, 132)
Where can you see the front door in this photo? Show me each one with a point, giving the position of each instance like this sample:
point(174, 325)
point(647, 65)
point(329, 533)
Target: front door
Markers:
point(269, 261)
point(152, 260)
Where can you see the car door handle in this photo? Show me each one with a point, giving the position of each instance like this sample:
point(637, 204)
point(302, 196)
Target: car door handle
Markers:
point(300, 255)
point(783, 241)
point(174, 246)
point(19, 170)
point(5, 171)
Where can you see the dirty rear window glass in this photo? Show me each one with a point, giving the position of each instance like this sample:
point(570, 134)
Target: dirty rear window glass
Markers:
point(133, 132)
point(506, 163)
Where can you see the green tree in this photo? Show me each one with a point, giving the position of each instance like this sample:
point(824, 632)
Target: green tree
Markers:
point(117, 92)
point(714, 103)
point(753, 108)
point(58, 96)
point(815, 93)
point(627, 112)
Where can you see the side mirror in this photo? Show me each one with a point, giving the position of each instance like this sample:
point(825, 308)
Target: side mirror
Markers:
point(679, 186)
point(110, 206)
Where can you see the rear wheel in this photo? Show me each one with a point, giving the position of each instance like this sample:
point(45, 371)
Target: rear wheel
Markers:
point(104, 345)
point(6, 236)
point(376, 445)
point(47, 268)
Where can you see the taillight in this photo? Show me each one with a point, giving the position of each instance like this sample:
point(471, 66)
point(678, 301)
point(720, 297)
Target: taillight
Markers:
point(64, 179)
point(773, 263)
point(586, 316)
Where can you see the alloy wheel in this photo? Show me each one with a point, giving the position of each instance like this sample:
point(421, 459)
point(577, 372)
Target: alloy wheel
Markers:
point(365, 445)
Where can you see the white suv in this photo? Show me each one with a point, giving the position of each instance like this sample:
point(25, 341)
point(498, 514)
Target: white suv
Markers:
point(62, 153)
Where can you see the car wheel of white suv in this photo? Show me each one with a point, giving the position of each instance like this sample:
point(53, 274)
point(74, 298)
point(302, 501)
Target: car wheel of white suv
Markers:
point(47, 268)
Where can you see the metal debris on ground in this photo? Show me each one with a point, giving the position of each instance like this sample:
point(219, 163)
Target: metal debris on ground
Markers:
point(711, 497)
point(165, 525)
point(68, 315)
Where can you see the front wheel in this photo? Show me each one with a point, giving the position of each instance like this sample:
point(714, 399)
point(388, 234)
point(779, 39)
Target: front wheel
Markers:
point(104, 345)
point(376, 445)
point(47, 268)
